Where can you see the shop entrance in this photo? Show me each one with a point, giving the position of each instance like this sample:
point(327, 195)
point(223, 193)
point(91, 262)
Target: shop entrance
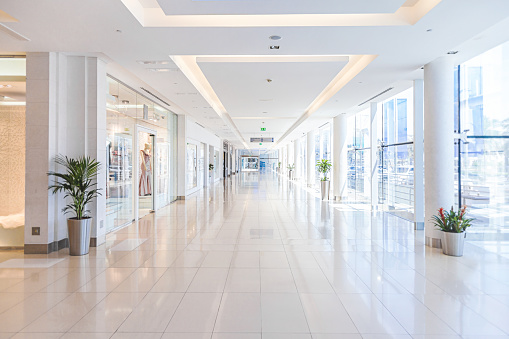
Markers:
point(145, 183)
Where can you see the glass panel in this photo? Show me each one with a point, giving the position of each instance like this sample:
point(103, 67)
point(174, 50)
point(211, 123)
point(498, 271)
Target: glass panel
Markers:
point(485, 183)
point(191, 166)
point(216, 165)
point(119, 160)
point(249, 164)
point(362, 186)
point(484, 115)
point(145, 173)
point(201, 165)
point(397, 180)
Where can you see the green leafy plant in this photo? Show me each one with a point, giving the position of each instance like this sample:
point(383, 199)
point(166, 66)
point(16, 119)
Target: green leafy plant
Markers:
point(324, 166)
point(211, 167)
point(279, 164)
point(78, 183)
point(452, 221)
point(291, 167)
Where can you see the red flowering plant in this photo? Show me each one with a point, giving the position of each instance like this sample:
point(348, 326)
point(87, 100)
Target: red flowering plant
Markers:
point(452, 221)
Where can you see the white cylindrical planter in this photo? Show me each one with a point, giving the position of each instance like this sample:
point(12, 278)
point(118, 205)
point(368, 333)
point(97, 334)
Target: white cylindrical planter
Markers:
point(339, 157)
point(310, 156)
point(438, 142)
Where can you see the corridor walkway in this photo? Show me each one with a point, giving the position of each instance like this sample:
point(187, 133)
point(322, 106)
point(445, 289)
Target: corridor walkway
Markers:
point(257, 257)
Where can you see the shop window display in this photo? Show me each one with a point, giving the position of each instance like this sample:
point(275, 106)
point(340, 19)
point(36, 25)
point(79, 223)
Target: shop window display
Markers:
point(137, 161)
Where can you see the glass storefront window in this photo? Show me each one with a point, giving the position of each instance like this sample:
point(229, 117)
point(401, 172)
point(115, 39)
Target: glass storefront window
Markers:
point(191, 166)
point(129, 111)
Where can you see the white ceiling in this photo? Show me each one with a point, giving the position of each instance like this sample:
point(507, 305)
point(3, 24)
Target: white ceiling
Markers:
point(401, 49)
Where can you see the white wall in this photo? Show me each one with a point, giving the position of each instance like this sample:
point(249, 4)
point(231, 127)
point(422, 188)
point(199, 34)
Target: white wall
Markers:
point(66, 114)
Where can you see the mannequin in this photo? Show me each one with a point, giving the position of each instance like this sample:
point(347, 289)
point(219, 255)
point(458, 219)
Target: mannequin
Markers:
point(145, 187)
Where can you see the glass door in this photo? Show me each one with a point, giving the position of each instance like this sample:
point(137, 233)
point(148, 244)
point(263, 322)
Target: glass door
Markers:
point(146, 143)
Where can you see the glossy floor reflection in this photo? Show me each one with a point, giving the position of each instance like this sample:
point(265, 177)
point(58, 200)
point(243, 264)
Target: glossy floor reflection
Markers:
point(257, 257)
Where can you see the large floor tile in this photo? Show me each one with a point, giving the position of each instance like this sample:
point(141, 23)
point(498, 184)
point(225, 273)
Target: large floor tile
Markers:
point(283, 313)
point(239, 313)
point(153, 313)
point(196, 313)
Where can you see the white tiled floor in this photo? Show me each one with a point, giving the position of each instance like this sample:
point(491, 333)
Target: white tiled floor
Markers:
point(258, 257)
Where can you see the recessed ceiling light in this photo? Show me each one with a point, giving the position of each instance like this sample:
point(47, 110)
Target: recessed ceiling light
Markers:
point(273, 47)
point(118, 31)
point(264, 112)
point(429, 30)
point(452, 52)
point(274, 37)
point(5, 86)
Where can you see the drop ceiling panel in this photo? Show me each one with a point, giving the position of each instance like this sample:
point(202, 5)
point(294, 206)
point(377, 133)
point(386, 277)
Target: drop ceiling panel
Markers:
point(186, 7)
point(244, 91)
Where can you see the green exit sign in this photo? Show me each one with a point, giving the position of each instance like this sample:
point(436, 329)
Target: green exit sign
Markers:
point(263, 129)
point(260, 143)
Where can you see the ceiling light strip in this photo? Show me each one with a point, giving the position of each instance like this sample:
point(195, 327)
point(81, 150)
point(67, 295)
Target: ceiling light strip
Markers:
point(13, 33)
point(155, 17)
point(356, 64)
point(187, 64)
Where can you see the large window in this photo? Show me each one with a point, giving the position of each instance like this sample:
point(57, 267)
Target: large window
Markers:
point(482, 85)
point(358, 140)
point(395, 155)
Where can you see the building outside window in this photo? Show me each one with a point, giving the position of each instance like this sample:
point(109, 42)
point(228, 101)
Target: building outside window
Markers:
point(482, 180)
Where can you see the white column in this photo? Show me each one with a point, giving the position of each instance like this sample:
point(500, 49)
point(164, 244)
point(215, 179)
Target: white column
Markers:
point(339, 156)
point(181, 156)
point(310, 156)
point(438, 142)
point(373, 175)
point(419, 154)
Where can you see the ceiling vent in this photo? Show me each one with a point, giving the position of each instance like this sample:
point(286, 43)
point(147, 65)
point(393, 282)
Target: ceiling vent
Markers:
point(155, 96)
point(376, 96)
point(152, 62)
point(273, 47)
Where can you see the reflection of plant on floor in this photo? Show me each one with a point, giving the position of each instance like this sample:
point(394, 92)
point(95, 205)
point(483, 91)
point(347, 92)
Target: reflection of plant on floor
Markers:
point(291, 167)
point(211, 167)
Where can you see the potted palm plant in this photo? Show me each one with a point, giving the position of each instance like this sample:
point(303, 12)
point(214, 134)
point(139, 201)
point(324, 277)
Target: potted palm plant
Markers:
point(453, 226)
point(324, 166)
point(78, 183)
point(290, 171)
